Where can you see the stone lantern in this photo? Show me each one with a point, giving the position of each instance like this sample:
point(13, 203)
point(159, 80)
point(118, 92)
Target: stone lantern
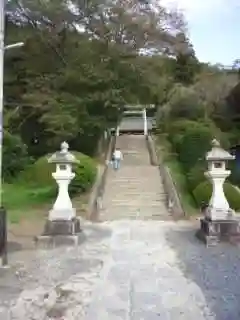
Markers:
point(219, 220)
point(62, 208)
point(217, 173)
point(62, 220)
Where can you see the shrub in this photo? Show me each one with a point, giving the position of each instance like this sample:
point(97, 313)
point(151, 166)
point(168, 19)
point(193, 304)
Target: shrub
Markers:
point(235, 173)
point(40, 174)
point(178, 129)
point(86, 172)
point(15, 156)
point(194, 145)
point(181, 126)
point(196, 175)
point(203, 192)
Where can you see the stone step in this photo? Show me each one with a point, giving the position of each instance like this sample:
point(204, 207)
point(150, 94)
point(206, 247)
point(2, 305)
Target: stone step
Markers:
point(111, 195)
point(133, 204)
point(115, 215)
point(131, 182)
point(135, 187)
point(145, 167)
point(136, 195)
point(114, 190)
point(128, 213)
point(146, 179)
point(137, 205)
point(155, 190)
point(130, 199)
point(125, 209)
point(135, 177)
point(134, 217)
point(135, 154)
point(134, 163)
point(139, 183)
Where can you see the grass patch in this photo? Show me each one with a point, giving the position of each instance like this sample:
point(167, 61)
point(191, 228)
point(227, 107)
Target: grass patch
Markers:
point(179, 177)
point(19, 196)
point(28, 202)
point(18, 199)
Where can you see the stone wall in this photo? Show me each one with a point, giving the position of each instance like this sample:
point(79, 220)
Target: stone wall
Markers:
point(173, 198)
point(95, 200)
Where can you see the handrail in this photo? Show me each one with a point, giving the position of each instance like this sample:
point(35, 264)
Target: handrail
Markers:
point(95, 201)
point(174, 203)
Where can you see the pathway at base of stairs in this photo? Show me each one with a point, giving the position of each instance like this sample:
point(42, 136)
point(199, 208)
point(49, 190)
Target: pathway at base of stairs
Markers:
point(142, 279)
point(125, 270)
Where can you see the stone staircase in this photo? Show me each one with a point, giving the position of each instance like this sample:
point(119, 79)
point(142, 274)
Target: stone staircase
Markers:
point(136, 190)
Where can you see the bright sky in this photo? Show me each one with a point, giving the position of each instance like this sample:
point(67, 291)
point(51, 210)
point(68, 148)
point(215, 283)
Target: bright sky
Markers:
point(214, 28)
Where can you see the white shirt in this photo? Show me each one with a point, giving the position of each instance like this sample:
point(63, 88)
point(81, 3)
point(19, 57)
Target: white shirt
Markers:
point(118, 154)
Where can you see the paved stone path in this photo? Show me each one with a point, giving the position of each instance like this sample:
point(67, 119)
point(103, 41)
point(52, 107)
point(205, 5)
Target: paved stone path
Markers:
point(142, 279)
point(126, 270)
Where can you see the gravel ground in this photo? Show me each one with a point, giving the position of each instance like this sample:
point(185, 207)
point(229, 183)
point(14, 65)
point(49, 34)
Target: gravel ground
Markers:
point(214, 270)
point(126, 270)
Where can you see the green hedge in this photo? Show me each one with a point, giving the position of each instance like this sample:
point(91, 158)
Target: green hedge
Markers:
point(196, 175)
point(194, 146)
point(178, 130)
point(40, 174)
point(179, 127)
point(192, 139)
point(202, 194)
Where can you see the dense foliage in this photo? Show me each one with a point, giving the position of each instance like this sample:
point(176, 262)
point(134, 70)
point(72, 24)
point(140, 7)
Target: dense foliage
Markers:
point(196, 111)
point(80, 64)
point(15, 156)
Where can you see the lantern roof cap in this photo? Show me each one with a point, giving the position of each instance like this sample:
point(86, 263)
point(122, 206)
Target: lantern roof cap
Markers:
point(218, 153)
point(63, 156)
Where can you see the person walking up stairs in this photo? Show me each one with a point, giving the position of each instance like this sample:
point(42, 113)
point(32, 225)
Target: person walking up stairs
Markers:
point(136, 191)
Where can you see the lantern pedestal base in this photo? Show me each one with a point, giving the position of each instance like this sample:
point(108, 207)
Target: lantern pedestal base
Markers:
point(62, 227)
point(60, 232)
point(214, 231)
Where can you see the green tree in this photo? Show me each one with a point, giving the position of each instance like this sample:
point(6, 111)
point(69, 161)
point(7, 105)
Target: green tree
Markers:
point(186, 64)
